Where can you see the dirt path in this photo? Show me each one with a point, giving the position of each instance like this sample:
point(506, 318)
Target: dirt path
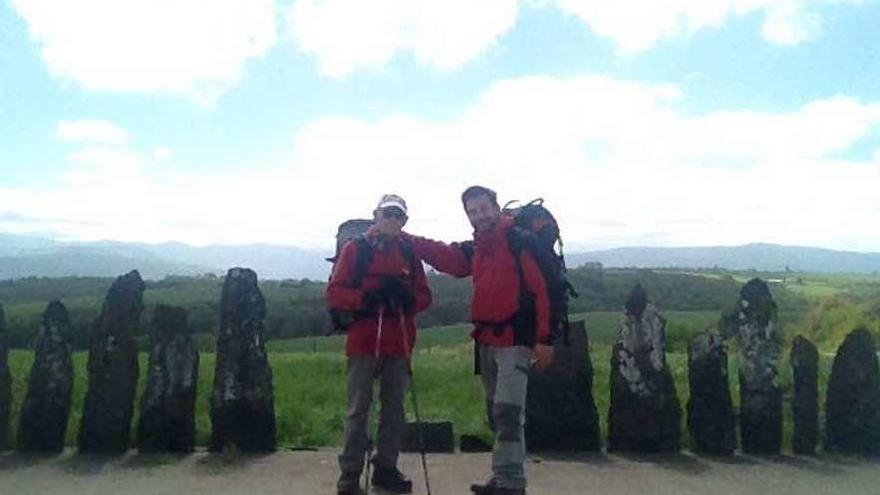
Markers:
point(315, 473)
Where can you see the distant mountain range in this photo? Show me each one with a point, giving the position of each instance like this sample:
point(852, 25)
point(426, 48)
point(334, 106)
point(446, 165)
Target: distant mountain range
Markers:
point(762, 257)
point(24, 256)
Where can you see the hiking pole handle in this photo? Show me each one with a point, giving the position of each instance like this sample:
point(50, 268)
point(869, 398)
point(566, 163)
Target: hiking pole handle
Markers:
point(377, 349)
point(407, 352)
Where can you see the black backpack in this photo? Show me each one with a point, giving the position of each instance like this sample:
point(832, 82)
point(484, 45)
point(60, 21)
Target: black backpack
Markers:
point(536, 230)
point(355, 231)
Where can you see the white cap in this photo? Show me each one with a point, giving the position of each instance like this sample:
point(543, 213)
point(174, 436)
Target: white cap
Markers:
point(392, 201)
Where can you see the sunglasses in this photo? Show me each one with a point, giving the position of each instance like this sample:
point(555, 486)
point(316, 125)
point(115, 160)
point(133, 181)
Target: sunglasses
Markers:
point(393, 214)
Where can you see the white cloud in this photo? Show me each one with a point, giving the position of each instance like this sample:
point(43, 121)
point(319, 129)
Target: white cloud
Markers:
point(618, 161)
point(96, 131)
point(346, 35)
point(636, 25)
point(161, 153)
point(192, 47)
point(200, 48)
point(99, 165)
point(350, 35)
point(790, 23)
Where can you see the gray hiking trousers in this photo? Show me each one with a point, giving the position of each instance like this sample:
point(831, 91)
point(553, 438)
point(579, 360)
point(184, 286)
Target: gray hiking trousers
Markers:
point(393, 377)
point(505, 374)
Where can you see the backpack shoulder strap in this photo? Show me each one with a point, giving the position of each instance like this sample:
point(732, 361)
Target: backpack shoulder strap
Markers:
point(363, 256)
point(467, 247)
point(406, 250)
point(519, 239)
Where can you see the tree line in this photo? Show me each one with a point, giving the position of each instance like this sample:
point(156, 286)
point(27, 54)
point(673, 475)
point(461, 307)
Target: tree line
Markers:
point(295, 308)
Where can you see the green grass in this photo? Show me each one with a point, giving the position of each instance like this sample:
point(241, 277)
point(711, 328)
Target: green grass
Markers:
point(310, 386)
point(681, 326)
point(814, 289)
point(442, 336)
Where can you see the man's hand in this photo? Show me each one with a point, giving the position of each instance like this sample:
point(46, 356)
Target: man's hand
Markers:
point(372, 299)
point(543, 356)
point(397, 295)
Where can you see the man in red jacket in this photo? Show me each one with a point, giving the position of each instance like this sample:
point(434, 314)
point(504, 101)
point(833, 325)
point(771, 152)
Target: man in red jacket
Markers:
point(379, 282)
point(510, 310)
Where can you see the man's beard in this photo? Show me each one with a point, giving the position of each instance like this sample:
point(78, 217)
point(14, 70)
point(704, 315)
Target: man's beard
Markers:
point(485, 225)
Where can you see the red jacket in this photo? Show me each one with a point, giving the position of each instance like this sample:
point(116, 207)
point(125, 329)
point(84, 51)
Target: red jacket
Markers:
point(496, 279)
point(385, 261)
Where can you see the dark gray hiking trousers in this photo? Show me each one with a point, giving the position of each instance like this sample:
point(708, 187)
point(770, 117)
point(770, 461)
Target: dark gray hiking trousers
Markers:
point(505, 374)
point(393, 378)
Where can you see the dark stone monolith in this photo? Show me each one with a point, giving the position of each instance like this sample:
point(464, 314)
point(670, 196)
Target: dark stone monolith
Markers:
point(760, 395)
point(560, 412)
point(805, 403)
point(167, 413)
point(5, 385)
point(645, 414)
point(710, 419)
point(436, 438)
point(46, 407)
point(112, 369)
point(852, 407)
point(242, 403)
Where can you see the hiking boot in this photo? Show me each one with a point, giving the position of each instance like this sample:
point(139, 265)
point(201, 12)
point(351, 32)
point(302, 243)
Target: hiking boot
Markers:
point(491, 488)
point(349, 484)
point(484, 489)
point(391, 479)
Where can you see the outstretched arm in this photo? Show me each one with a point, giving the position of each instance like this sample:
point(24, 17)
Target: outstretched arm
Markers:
point(451, 259)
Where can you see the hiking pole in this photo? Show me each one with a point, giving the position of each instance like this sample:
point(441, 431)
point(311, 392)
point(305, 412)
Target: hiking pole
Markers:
point(415, 401)
point(370, 413)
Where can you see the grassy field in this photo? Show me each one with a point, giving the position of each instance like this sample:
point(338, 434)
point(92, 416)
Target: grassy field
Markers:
point(602, 327)
point(309, 381)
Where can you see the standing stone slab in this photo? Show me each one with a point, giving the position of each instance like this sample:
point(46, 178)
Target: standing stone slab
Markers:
point(805, 404)
point(759, 350)
point(242, 403)
point(5, 385)
point(711, 420)
point(167, 411)
point(46, 407)
point(112, 370)
point(645, 414)
point(560, 412)
point(852, 407)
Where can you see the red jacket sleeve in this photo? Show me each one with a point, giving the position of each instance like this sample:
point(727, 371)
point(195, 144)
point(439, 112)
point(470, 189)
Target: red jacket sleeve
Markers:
point(535, 283)
point(447, 258)
point(340, 294)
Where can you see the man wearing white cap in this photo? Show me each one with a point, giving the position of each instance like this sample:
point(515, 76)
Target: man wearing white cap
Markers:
point(382, 286)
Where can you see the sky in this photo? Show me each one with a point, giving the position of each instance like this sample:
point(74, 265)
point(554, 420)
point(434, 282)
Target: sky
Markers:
point(641, 123)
